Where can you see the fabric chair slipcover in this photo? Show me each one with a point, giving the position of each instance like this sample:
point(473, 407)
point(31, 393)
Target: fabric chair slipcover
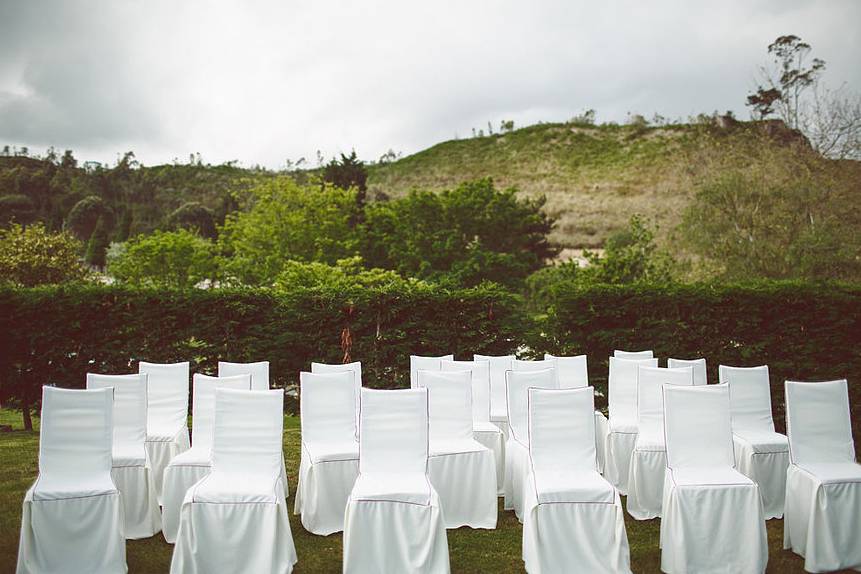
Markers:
point(72, 519)
point(461, 470)
point(634, 355)
point(498, 366)
point(131, 471)
point(483, 430)
point(712, 514)
point(649, 459)
point(698, 366)
point(187, 468)
point(235, 519)
point(393, 522)
point(539, 365)
point(355, 368)
point(330, 452)
point(167, 415)
point(259, 373)
point(572, 515)
point(622, 432)
point(418, 362)
point(760, 453)
point(517, 467)
point(823, 484)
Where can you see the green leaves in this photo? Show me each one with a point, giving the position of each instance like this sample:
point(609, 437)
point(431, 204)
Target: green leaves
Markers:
point(178, 259)
point(31, 256)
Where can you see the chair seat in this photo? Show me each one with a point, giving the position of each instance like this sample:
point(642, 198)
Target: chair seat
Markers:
point(129, 456)
point(411, 487)
point(763, 441)
point(236, 488)
point(442, 448)
point(572, 487)
point(485, 426)
point(834, 472)
point(199, 456)
point(499, 416)
point(623, 425)
point(651, 441)
point(709, 476)
point(332, 451)
point(52, 487)
point(161, 433)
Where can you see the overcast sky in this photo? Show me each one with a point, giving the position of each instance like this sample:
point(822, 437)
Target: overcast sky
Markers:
point(263, 81)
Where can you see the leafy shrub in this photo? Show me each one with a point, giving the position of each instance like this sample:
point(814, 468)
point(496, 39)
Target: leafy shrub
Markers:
point(32, 255)
point(179, 259)
point(194, 217)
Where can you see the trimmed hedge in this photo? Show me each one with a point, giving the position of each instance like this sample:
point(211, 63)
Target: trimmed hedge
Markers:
point(802, 331)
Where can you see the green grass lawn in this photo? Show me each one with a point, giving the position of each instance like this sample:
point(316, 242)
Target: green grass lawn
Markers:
point(471, 550)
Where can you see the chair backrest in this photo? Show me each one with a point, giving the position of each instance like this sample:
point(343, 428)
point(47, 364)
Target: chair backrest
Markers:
point(498, 366)
point(129, 408)
point(327, 406)
point(562, 429)
point(749, 396)
point(259, 372)
point(517, 385)
point(633, 355)
point(356, 368)
point(77, 432)
point(167, 394)
point(818, 422)
point(393, 435)
point(449, 404)
point(698, 365)
point(248, 432)
point(418, 362)
point(203, 404)
point(571, 372)
point(526, 366)
point(650, 399)
point(697, 426)
point(480, 385)
point(622, 383)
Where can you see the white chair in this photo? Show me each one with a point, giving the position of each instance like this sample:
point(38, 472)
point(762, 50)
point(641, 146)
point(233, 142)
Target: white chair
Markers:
point(760, 453)
point(187, 468)
point(573, 516)
point(423, 363)
point(72, 519)
point(259, 373)
point(633, 355)
point(329, 461)
point(711, 517)
point(355, 368)
point(537, 365)
point(649, 459)
point(622, 431)
point(131, 471)
point(698, 366)
point(823, 484)
point(483, 430)
point(393, 522)
point(498, 366)
point(517, 468)
point(235, 519)
point(461, 470)
point(167, 415)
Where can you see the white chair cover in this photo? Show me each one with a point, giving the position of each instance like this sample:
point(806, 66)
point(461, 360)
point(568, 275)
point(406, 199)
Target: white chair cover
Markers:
point(235, 519)
point(461, 470)
point(167, 415)
point(761, 454)
point(355, 368)
point(703, 493)
point(526, 366)
point(259, 373)
point(330, 452)
point(517, 466)
point(187, 468)
point(649, 459)
point(484, 431)
point(573, 516)
point(72, 519)
point(622, 395)
point(698, 365)
point(131, 470)
point(633, 355)
point(418, 362)
point(823, 485)
point(393, 499)
point(498, 365)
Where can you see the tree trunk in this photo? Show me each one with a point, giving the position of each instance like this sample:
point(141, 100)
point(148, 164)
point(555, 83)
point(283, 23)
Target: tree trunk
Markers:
point(25, 410)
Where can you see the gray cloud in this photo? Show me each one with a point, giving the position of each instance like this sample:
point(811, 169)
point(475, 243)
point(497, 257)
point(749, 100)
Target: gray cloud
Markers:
point(264, 81)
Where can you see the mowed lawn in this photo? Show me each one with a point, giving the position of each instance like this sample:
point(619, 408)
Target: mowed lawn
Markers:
point(470, 550)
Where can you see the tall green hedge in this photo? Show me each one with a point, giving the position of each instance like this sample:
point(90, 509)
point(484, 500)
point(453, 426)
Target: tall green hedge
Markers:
point(802, 331)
